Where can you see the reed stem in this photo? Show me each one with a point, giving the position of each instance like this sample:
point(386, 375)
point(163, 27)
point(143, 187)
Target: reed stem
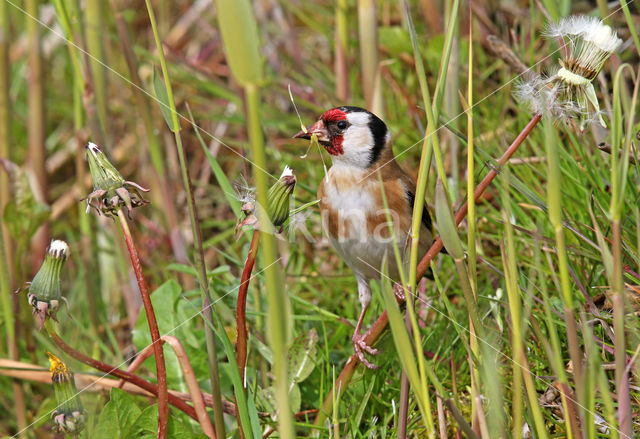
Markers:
point(277, 298)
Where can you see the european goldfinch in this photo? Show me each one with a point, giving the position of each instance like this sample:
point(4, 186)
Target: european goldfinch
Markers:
point(351, 203)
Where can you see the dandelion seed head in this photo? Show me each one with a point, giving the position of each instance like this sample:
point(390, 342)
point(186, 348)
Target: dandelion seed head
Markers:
point(244, 192)
point(603, 37)
point(58, 249)
point(569, 92)
point(287, 172)
point(93, 148)
point(588, 44)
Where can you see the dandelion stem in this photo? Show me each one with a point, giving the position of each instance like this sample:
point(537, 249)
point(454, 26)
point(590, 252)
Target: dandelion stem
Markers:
point(241, 320)
point(163, 407)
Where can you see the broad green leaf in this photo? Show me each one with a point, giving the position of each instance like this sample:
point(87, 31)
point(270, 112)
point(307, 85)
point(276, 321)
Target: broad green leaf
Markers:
point(161, 94)
point(117, 417)
point(268, 398)
point(295, 399)
point(146, 427)
point(302, 357)
point(164, 300)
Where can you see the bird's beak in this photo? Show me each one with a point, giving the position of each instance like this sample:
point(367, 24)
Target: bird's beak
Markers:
point(318, 129)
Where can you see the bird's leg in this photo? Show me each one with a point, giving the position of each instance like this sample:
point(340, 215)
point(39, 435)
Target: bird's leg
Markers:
point(359, 344)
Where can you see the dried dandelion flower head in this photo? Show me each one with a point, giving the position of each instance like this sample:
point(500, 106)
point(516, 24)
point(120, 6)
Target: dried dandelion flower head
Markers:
point(45, 291)
point(569, 92)
point(69, 416)
point(111, 192)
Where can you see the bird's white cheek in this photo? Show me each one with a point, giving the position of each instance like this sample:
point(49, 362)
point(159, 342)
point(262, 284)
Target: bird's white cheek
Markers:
point(357, 144)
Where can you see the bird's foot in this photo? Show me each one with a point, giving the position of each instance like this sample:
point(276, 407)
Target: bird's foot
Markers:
point(360, 346)
point(398, 290)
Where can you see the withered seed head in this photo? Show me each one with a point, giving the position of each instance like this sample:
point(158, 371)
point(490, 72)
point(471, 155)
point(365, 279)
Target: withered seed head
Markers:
point(111, 191)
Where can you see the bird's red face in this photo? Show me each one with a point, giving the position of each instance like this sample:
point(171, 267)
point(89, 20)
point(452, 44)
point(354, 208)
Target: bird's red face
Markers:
point(350, 134)
point(330, 131)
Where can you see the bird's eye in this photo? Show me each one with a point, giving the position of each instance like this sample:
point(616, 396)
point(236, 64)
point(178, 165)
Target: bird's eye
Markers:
point(342, 124)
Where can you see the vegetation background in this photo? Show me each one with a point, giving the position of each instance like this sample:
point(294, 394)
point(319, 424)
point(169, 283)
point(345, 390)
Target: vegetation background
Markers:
point(557, 254)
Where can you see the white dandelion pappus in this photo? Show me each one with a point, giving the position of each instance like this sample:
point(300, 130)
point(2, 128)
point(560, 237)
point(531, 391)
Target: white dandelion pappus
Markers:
point(569, 92)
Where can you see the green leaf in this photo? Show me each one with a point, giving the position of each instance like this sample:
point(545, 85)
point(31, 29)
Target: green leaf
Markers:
point(164, 300)
point(163, 98)
point(146, 427)
point(295, 399)
point(302, 357)
point(402, 340)
point(118, 416)
point(268, 397)
point(446, 224)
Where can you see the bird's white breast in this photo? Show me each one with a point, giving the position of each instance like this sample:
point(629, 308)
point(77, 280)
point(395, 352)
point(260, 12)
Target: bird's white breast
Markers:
point(346, 201)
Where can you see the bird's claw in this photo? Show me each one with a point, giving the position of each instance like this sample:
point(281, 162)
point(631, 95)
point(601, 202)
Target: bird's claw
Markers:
point(360, 346)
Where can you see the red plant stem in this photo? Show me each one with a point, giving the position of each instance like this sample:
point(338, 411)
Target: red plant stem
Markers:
point(379, 325)
point(189, 378)
point(118, 373)
point(241, 308)
point(163, 394)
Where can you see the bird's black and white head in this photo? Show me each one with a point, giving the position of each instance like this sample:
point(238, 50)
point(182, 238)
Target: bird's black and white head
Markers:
point(352, 135)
